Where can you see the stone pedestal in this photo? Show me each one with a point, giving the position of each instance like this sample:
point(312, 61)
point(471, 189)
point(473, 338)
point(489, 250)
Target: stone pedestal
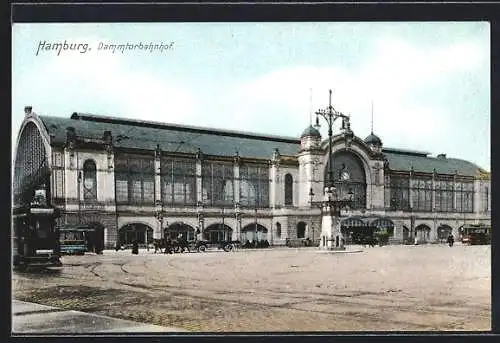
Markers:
point(331, 236)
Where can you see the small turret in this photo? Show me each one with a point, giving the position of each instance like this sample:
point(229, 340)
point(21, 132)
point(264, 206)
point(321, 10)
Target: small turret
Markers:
point(374, 142)
point(310, 138)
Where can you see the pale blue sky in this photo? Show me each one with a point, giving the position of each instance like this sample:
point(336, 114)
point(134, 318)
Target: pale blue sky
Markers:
point(429, 82)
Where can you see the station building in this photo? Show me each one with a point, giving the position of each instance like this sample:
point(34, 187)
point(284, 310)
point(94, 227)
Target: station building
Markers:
point(132, 179)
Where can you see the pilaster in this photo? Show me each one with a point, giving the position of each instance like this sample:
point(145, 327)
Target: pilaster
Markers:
point(157, 166)
point(236, 166)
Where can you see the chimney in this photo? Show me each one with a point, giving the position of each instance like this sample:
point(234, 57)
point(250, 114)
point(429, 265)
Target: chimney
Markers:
point(441, 156)
point(27, 110)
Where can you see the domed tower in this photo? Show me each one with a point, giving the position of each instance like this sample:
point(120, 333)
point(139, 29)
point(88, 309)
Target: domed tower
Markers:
point(374, 142)
point(309, 159)
point(310, 138)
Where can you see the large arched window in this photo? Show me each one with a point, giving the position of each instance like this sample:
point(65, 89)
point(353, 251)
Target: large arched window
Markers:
point(135, 232)
point(254, 232)
point(31, 164)
point(288, 189)
point(349, 177)
point(89, 180)
point(444, 231)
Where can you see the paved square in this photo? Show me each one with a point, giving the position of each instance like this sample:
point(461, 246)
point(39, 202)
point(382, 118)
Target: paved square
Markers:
point(427, 287)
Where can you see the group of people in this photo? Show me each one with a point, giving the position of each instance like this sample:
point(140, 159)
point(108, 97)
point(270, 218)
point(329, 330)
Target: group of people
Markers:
point(168, 244)
point(450, 240)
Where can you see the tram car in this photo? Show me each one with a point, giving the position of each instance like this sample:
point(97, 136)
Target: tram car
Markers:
point(476, 234)
point(35, 236)
point(73, 240)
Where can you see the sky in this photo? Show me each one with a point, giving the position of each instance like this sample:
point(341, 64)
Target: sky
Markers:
point(427, 82)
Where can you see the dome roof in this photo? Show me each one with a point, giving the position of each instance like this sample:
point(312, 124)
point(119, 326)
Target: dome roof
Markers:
point(311, 131)
point(373, 139)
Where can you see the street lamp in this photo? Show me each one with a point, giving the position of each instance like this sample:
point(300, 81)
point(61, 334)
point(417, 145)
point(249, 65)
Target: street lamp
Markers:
point(159, 217)
point(333, 204)
point(465, 207)
point(223, 225)
point(311, 195)
point(237, 214)
point(412, 223)
point(330, 114)
point(255, 237)
point(79, 200)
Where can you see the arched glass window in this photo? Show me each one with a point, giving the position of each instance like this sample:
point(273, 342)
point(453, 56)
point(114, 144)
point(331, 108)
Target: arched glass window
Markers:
point(349, 177)
point(89, 180)
point(288, 189)
point(278, 230)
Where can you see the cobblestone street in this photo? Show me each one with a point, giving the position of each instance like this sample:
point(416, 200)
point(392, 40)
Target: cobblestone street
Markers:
point(411, 288)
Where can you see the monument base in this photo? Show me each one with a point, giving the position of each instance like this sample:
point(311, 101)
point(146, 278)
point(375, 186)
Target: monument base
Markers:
point(341, 248)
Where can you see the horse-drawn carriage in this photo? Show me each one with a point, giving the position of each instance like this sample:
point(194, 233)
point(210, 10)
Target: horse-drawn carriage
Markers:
point(169, 246)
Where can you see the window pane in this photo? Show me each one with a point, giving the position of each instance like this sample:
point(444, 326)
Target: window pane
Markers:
point(149, 191)
point(121, 191)
point(136, 191)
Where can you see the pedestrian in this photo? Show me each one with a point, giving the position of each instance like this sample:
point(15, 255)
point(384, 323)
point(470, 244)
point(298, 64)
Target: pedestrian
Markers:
point(450, 240)
point(135, 248)
point(168, 246)
point(416, 240)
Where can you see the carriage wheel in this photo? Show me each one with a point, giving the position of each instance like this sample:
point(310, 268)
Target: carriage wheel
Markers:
point(228, 247)
point(202, 248)
point(177, 248)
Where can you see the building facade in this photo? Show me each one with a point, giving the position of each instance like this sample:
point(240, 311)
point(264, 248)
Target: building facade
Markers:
point(141, 180)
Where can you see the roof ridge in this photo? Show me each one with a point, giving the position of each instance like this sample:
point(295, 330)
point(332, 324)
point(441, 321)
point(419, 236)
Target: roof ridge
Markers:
point(181, 127)
point(406, 151)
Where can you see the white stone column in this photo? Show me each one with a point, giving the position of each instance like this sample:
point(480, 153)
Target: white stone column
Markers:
point(455, 190)
point(105, 236)
point(331, 236)
point(157, 164)
point(433, 233)
point(272, 186)
point(70, 176)
point(489, 196)
point(376, 200)
point(236, 181)
point(411, 184)
point(433, 204)
point(109, 184)
point(477, 197)
point(199, 183)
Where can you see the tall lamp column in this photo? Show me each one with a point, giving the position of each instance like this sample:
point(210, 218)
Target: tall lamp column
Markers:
point(330, 227)
point(311, 195)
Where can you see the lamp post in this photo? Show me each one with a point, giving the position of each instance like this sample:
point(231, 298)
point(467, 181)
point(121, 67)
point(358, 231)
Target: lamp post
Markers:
point(330, 114)
point(223, 225)
point(412, 223)
point(159, 217)
point(465, 207)
point(332, 203)
point(311, 195)
point(237, 214)
point(201, 221)
point(79, 200)
point(255, 236)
